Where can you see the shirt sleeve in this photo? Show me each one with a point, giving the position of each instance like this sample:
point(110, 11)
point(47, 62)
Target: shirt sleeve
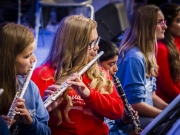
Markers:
point(131, 73)
point(164, 80)
point(40, 118)
point(109, 105)
point(154, 83)
point(3, 127)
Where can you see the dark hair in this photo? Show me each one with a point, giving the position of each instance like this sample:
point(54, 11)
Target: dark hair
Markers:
point(109, 48)
point(170, 11)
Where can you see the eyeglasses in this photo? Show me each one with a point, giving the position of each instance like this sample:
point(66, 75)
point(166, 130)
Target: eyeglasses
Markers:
point(162, 23)
point(92, 44)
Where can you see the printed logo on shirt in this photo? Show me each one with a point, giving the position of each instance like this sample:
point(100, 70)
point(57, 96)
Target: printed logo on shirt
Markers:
point(77, 100)
point(149, 88)
point(17, 130)
point(32, 112)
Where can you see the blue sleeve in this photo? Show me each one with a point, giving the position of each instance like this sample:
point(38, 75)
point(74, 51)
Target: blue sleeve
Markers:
point(131, 73)
point(154, 83)
point(3, 127)
point(40, 115)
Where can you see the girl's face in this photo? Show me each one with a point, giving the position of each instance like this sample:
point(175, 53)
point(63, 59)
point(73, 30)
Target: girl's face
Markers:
point(93, 50)
point(161, 26)
point(110, 65)
point(174, 28)
point(25, 59)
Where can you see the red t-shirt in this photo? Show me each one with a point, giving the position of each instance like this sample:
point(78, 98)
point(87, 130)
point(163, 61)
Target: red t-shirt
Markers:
point(86, 116)
point(166, 88)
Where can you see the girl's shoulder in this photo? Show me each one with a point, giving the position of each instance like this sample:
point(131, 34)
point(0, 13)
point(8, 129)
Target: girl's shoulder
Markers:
point(134, 53)
point(161, 46)
point(45, 71)
point(45, 66)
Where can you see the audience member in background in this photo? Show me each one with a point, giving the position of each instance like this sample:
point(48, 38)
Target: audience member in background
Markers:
point(17, 45)
point(137, 64)
point(109, 62)
point(168, 55)
point(82, 107)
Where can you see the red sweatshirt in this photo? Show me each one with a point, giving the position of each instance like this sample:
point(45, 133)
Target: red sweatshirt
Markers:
point(166, 88)
point(86, 116)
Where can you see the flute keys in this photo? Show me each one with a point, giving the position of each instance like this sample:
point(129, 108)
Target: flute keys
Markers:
point(53, 98)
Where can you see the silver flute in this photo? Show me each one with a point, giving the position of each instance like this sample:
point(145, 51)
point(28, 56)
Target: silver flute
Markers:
point(11, 114)
point(64, 85)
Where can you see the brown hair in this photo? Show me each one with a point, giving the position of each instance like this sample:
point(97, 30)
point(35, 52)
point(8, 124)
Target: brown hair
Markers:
point(170, 11)
point(141, 33)
point(14, 38)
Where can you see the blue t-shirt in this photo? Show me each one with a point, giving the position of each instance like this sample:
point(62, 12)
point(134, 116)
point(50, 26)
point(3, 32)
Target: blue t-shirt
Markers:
point(3, 127)
point(132, 75)
point(38, 112)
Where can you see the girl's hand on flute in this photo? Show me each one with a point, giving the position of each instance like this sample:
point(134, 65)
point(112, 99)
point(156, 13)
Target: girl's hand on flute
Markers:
point(48, 92)
point(23, 116)
point(77, 84)
point(7, 120)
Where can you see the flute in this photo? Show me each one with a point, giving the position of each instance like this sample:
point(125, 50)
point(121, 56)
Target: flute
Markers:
point(11, 114)
point(128, 107)
point(64, 85)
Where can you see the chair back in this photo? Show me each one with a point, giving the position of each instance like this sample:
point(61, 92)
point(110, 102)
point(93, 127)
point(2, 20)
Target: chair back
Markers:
point(65, 2)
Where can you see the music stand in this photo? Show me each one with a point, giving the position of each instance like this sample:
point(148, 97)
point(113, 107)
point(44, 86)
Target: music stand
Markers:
point(167, 122)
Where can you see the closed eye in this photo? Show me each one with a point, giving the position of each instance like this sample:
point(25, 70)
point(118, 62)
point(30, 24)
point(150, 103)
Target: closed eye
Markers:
point(112, 64)
point(27, 56)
